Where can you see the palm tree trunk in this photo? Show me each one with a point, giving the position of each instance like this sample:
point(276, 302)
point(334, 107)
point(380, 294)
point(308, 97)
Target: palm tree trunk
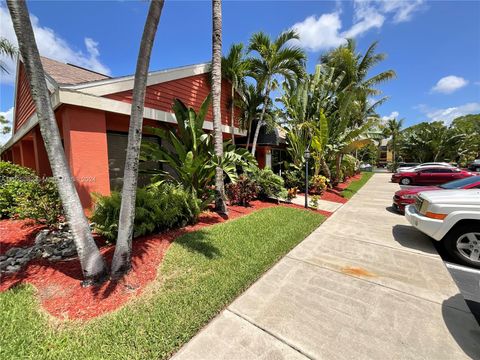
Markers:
point(338, 164)
point(232, 113)
point(121, 263)
point(249, 132)
point(260, 120)
point(92, 263)
point(220, 205)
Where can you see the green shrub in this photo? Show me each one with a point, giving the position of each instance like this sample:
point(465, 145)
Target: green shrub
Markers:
point(39, 200)
point(158, 207)
point(24, 195)
point(269, 184)
point(294, 178)
point(349, 165)
point(318, 184)
point(242, 192)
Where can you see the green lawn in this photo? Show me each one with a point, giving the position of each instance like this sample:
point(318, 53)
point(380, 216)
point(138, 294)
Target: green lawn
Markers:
point(356, 185)
point(201, 274)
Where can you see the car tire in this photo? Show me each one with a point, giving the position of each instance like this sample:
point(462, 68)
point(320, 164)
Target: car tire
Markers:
point(405, 181)
point(460, 247)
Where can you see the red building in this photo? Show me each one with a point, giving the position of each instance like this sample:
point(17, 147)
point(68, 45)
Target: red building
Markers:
point(93, 112)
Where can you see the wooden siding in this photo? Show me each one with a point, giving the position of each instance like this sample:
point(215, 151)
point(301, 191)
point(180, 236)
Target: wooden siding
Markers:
point(24, 106)
point(191, 90)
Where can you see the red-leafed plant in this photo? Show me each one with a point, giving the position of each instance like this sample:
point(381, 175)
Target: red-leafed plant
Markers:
point(242, 192)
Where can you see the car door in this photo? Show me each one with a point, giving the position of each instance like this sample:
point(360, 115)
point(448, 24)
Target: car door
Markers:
point(443, 175)
point(424, 177)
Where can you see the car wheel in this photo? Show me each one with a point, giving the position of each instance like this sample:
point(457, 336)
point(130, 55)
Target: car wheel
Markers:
point(463, 244)
point(405, 181)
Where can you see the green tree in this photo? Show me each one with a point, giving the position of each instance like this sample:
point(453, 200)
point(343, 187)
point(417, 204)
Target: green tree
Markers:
point(393, 128)
point(7, 49)
point(234, 68)
point(273, 58)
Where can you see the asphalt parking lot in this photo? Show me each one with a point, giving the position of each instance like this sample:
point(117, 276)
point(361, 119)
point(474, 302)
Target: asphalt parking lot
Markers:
point(466, 278)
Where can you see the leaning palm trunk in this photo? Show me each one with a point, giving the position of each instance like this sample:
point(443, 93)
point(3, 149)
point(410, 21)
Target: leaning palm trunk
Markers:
point(220, 205)
point(260, 120)
point(121, 263)
point(326, 169)
point(232, 115)
point(91, 261)
point(249, 133)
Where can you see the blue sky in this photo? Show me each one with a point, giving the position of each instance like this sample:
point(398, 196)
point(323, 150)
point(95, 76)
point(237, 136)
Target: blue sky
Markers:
point(433, 46)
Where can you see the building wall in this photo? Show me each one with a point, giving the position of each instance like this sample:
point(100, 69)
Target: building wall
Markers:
point(191, 90)
point(24, 106)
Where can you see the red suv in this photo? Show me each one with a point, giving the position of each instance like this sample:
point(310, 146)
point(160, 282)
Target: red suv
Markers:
point(430, 176)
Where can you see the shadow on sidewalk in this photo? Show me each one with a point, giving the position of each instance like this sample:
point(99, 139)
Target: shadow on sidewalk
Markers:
point(410, 237)
point(467, 337)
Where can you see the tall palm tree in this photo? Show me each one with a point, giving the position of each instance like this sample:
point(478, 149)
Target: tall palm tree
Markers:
point(393, 128)
point(234, 68)
point(93, 265)
point(274, 58)
point(121, 263)
point(6, 49)
point(220, 204)
point(356, 67)
point(250, 109)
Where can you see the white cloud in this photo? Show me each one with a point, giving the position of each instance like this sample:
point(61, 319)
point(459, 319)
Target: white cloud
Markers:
point(328, 25)
point(51, 45)
point(449, 84)
point(448, 114)
point(325, 31)
point(393, 115)
point(9, 116)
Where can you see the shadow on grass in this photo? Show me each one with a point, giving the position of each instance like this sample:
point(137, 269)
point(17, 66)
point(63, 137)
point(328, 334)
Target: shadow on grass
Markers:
point(199, 242)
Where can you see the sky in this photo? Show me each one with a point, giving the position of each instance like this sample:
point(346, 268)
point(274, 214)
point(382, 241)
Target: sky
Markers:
point(434, 46)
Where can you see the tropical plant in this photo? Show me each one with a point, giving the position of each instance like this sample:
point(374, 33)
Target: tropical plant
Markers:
point(220, 205)
point(93, 265)
point(234, 68)
point(273, 58)
point(189, 156)
point(392, 128)
point(318, 184)
point(7, 49)
point(269, 184)
point(250, 109)
point(243, 191)
point(158, 207)
point(121, 262)
point(355, 67)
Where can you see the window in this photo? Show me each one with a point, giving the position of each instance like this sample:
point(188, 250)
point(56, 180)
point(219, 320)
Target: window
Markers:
point(278, 159)
point(117, 150)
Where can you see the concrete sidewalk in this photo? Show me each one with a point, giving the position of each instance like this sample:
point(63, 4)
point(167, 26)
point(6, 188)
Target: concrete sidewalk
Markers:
point(364, 285)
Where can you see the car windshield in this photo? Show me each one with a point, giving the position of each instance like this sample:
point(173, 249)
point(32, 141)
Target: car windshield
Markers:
point(456, 184)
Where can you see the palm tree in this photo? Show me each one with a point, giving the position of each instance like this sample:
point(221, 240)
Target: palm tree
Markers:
point(355, 67)
point(234, 68)
point(274, 58)
point(250, 109)
point(393, 128)
point(220, 205)
point(121, 263)
point(93, 265)
point(6, 49)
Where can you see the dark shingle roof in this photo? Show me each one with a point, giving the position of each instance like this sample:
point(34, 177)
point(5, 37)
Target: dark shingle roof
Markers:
point(68, 74)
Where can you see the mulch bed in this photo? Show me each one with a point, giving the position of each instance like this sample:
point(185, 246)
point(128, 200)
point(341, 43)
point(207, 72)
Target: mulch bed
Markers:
point(58, 283)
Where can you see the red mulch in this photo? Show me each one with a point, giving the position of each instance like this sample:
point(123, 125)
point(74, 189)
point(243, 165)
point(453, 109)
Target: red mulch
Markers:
point(17, 233)
point(58, 283)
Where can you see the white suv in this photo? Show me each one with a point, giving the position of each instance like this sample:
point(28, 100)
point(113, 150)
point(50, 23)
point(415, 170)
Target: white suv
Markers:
point(452, 217)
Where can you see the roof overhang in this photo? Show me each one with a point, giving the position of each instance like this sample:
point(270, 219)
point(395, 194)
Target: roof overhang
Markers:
point(76, 98)
point(119, 84)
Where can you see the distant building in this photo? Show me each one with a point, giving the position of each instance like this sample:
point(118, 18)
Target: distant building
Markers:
point(385, 155)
